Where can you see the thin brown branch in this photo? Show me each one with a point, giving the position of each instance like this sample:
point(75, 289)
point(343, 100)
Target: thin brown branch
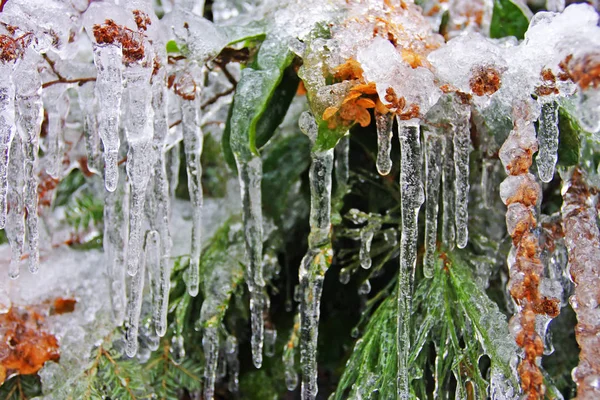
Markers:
point(79, 81)
point(216, 97)
point(175, 123)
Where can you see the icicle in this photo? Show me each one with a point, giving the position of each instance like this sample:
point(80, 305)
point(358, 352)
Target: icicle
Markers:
point(160, 220)
point(134, 306)
point(173, 161)
point(231, 352)
point(448, 232)
point(411, 192)
point(366, 237)
point(57, 109)
point(153, 260)
point(210, 344)
point(116, 215)
point(462, 149)
point(270, 339)
point(15, 227)
point(342, 166)
point(30, 108)
point(385, 123)
point(87, 101)
point(487, 182)
point(7, 132)
point(318, 258)
point(193, 141)
point(547, 136)
point(250, 174)
point(109, 91)
point(433, 173)
point(139, 129)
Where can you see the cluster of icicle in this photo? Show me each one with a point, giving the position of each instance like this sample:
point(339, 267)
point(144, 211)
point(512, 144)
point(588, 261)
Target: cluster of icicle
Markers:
point(122, 100)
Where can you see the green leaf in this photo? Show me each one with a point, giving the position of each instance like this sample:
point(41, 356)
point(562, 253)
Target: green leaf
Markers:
point(569, 141)
point(172, 47)
point(253, 95)
point(271, 117)
point(508, 19)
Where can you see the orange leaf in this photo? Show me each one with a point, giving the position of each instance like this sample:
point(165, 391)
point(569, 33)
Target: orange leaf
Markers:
point(365, 103)
point(329, 112)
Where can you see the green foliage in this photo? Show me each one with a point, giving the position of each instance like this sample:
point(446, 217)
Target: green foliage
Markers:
point(83, 211)
point(508, 19)
point(168, 378)
point(253, 95)
point(21, 387)
point(569, 139)
point(67, 187)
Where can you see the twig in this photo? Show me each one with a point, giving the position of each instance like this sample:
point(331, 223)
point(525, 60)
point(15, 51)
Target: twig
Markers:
point(79, 81)
point(175, 123)
point(217, 97)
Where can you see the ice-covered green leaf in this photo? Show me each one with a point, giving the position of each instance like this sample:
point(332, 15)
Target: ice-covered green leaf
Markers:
point(508, 19)
point(569, 141)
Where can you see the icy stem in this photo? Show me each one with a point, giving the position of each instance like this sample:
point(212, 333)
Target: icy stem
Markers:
point(433, 173)
point(109, 91)
point(411, 192)
point(342, 168)
point(366, 237)
point(210, 344)
point(317, 260)
point(462, 149)
point(385, 123)
point(192, 142)
point(7, 132)
point(250, 174)
point(547, 136)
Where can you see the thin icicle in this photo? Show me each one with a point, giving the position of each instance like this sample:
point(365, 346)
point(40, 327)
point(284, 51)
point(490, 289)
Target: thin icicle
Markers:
point(547, 136)
point(116, 215)
point(487, 182)
point(231, 353)
point(152, 261)
point(172, 163)
point(87, 102)
point(385, 123)
point(366, 238)
point(7, 131)
point(210, 344)
point(109, 91)
point(462, 149)
point(193, 141)
point(31, 112)
point(139, 129)
point(15, 227)
point(433, 173)
point(160, 220)
point(270, 339)
point(411, 198)
point(448, 232)
point(136, 291)
point(57, 108)
point(250, 174)
point(318, 258)
point(342, 165)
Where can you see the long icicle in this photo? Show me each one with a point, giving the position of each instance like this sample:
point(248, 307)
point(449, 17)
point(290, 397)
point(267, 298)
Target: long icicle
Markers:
point(250, 173)
point(385, 123)
point(31, 112)
point(116, 231)
point(210, 346)
point(57, 110)
point(7, 131)
point(318, 257)
point(139, 129)
point(433, 174)
point(15, 227)
point(411, 198)
point(193, 142)
point(547, 135)
point(160, 220)
point(109, 92)
point(448, 205)
point(462, 149)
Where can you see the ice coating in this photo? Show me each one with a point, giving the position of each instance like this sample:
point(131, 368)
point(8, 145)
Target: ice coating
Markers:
point(433, 174)
point(7, 131)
